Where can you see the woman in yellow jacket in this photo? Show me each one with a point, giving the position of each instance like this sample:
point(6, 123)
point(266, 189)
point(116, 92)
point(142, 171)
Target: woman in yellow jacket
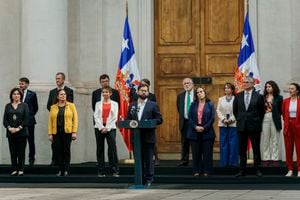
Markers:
point(62, 128)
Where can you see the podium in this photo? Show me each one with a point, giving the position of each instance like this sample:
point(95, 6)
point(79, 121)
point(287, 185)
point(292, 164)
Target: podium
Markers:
point(136, 127)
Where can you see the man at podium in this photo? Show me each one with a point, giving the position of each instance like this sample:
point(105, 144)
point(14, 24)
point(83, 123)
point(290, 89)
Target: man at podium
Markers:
point(141, 110)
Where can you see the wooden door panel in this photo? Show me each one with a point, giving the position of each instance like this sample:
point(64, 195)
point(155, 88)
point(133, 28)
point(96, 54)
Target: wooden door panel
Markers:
point(222, 24)
point(193, 38)
point(168, 136)
point(176, 22)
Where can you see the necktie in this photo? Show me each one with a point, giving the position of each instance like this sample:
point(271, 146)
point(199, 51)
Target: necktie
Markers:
point(247, 100)
point(188, 102)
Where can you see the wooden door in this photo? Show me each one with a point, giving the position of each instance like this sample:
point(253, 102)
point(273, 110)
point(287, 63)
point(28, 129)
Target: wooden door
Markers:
point(193, 38)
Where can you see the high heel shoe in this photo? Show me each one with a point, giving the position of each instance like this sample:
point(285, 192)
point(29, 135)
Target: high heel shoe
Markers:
point(290, 173)
point(14, 173)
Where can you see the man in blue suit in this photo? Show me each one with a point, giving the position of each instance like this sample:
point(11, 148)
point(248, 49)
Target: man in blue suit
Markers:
point(29, 97)
point(145, 110)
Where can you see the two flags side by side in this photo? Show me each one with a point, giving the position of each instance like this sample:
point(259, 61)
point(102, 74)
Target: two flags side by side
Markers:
point(246, 65)
point(127, 77)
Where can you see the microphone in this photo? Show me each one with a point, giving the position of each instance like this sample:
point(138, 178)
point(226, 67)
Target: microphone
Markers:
point(133, 110)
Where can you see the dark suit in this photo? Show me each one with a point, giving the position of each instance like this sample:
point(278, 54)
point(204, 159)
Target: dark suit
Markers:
point(51, 100)
point(249, 125)
point(202, 143)
point(148, 138)
point(96, 96)
point(31, 100)
point(53, 94)
point(276, 111)
point(183, 126)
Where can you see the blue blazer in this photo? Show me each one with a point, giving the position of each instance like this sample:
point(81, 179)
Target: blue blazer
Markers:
point(208, 119)
point(151, 111)
point(32, 103)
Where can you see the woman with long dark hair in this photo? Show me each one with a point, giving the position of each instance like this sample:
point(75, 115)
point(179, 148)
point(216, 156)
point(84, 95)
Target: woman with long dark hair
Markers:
point(271, 125)
point(201, 133)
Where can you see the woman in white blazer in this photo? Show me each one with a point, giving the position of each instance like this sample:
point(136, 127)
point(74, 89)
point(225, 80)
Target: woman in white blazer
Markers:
point(105, 116)
point(228, 132)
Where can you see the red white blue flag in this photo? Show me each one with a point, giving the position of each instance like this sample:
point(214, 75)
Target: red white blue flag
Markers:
point(247, 65)
point(128, 76)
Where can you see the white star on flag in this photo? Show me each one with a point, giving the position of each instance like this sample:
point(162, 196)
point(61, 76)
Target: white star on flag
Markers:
point(124, 44)
point(244, 41)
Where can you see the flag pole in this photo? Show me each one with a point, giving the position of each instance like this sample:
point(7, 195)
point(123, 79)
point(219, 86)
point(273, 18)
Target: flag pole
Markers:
point(126, 8)
point(246, 8)
point(249, 157)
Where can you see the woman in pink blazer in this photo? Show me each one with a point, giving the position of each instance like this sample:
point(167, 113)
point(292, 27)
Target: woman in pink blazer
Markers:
point(291, 119)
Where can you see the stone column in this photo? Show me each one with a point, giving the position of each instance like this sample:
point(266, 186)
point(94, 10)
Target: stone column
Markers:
point(44, 52)
point(44, 40)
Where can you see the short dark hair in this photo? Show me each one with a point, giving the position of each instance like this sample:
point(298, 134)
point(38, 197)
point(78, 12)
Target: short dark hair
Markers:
point(13, 90)
point(103, 76)
point(231, 86)
point(107, 88)
point(143, 85)
point(24, 79)
point(62, 74)
point(145, 80)
point(276, 90)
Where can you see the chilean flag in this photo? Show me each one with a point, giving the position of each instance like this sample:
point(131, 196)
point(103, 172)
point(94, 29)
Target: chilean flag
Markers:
point(247, 65)
point(128, 76)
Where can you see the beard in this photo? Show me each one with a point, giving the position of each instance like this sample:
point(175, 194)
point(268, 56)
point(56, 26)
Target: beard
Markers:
point(143, 97)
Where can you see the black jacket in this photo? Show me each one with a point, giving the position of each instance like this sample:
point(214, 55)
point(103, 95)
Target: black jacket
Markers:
point(53, 94)
point(33, 107)
point(180, 107)
point(253, 116)
point(150, 112)
point(15, 118)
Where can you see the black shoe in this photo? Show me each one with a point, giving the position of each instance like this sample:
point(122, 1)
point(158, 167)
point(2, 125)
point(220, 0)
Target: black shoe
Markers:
point(59, 173)
point(101, 174)
point(241, 173)
point(182, 163)
point(258, 173)
point(156, 162)
point(31, 163)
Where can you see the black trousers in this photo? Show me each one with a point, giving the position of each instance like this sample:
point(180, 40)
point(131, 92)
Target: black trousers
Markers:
point(202, 152)
point(62, 146)
point(243, 143)
point(31, 144)
point(147, 161)
point(54, 159)
point(17, 146)
point(185, 143)
point(111, 148)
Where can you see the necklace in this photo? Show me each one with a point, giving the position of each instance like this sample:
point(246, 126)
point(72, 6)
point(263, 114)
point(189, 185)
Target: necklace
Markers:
point(228, 98)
